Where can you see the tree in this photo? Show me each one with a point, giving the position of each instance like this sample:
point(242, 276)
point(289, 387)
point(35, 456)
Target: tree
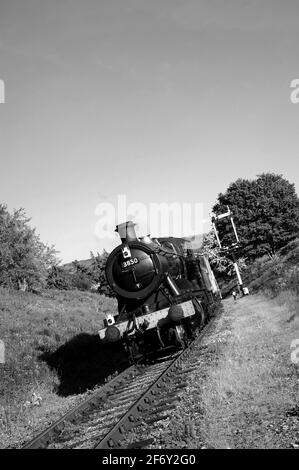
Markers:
point(97, 268)
point(265, 211)
point(210, 248)
point(24, 259)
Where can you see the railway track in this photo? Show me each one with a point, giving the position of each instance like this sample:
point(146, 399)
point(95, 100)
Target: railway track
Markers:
point(121, 413)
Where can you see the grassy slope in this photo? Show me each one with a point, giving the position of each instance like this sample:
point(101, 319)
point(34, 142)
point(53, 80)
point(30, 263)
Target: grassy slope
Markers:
point(254, 387)
point(273, 276)
point(53, 350)
point(245, 392)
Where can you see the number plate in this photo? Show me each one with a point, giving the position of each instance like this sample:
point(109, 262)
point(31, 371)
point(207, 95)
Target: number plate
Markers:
point(129, 262)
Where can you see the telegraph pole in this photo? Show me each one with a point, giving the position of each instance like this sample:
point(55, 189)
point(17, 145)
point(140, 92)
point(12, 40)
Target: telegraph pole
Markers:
point(232, 247)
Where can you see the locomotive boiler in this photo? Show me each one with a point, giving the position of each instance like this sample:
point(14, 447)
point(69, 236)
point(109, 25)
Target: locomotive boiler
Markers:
point(165, 293)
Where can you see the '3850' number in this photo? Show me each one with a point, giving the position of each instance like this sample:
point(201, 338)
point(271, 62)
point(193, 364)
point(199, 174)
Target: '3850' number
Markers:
point(130, 262)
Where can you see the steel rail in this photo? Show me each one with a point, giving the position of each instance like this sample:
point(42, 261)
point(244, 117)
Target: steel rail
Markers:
point(133, 417)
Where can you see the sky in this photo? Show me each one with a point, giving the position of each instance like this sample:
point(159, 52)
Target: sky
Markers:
point(161, 101)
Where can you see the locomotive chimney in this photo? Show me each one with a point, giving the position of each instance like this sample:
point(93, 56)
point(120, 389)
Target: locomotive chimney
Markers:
point(126, 231)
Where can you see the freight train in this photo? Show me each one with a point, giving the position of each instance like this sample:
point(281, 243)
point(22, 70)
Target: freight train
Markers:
point(165, 292)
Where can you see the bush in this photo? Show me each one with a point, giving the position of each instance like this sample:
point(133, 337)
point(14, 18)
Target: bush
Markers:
point(81, 281)
point(24, 259)
point(59, 278)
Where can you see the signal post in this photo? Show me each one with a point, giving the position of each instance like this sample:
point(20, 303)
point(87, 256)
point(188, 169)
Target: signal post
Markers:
point(232, 247)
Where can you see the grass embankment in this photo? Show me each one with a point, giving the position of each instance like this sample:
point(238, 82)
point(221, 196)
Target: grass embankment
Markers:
point(51, 349)
point(245, 392)
point(276, 275)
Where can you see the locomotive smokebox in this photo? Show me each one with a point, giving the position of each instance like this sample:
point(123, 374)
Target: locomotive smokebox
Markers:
point(127, 232)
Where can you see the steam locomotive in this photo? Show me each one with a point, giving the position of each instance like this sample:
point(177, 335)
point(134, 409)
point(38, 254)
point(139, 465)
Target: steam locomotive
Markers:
point(165, 293)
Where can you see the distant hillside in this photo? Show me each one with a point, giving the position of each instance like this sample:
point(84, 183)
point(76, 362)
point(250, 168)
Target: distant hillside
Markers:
point(71, 269)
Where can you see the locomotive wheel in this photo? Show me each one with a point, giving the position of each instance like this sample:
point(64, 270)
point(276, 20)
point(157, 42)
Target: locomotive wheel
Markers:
point(200, 313)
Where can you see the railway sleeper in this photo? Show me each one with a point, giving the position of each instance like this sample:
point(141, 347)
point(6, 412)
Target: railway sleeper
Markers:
point(140, 444)
point(159, 409)
point(156, 419)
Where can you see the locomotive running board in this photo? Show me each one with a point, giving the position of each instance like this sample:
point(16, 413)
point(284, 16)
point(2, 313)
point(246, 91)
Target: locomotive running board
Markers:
point(152, 318)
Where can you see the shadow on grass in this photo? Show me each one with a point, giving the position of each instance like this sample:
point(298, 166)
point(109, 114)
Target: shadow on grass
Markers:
point(84, 362)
